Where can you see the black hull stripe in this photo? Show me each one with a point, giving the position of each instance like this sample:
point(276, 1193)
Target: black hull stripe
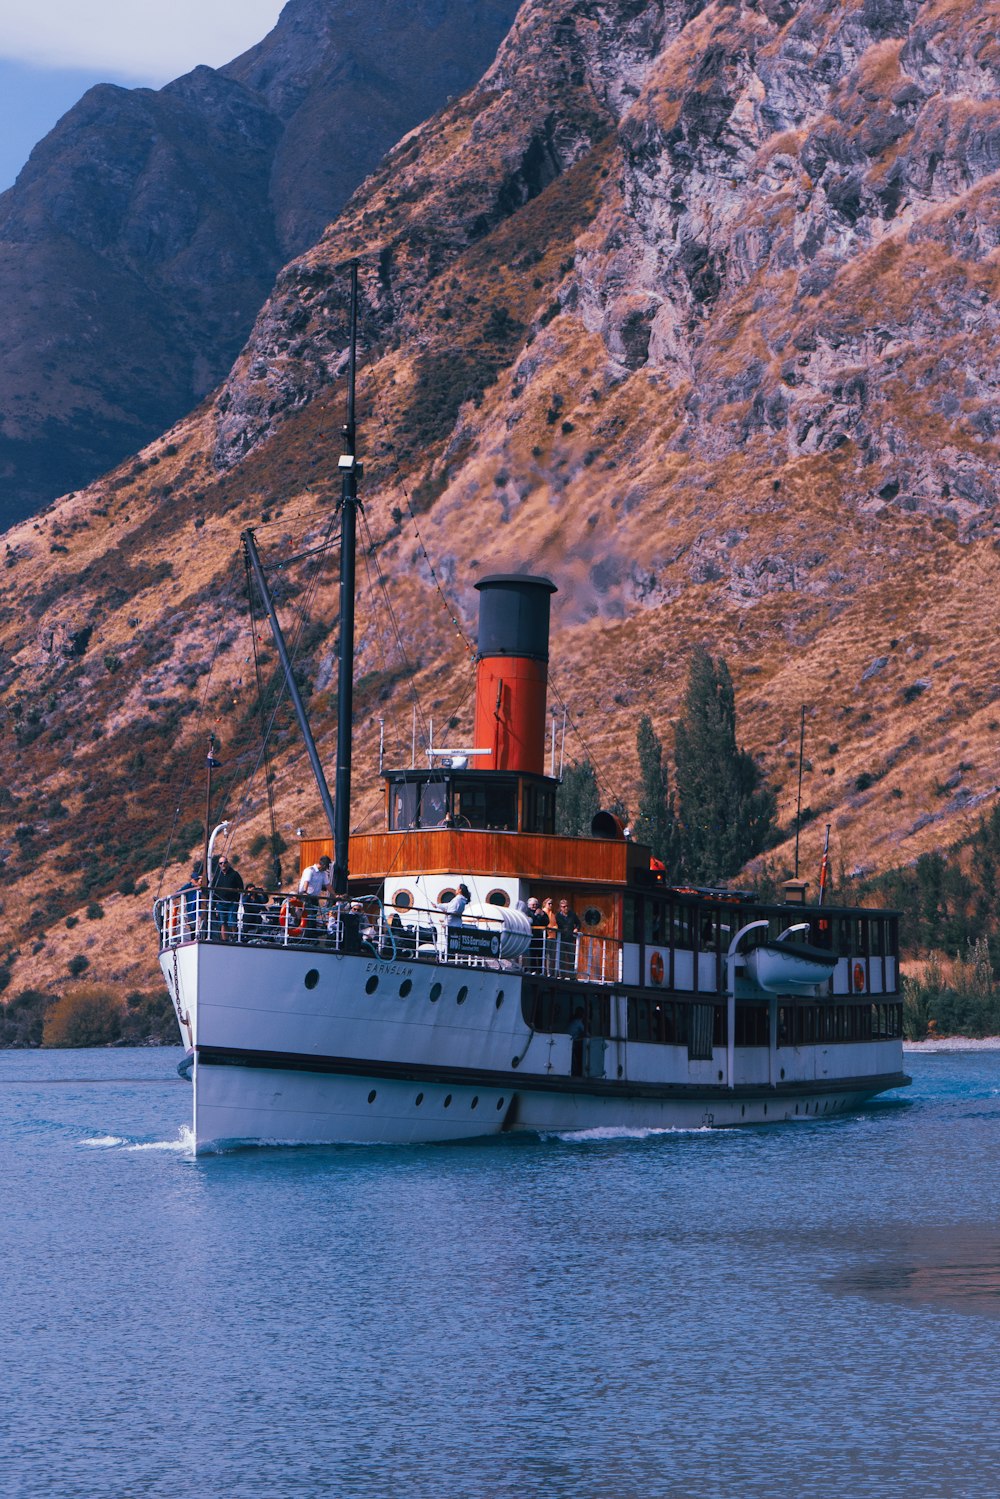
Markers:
point(285, 1061)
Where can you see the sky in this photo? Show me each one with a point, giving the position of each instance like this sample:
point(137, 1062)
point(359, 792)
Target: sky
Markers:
point(52, 51)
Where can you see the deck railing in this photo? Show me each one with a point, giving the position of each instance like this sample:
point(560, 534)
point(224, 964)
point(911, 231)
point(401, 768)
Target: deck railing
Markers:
point(284, 919)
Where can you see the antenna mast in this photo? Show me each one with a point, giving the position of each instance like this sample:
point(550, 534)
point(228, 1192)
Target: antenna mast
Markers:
point(351, 472)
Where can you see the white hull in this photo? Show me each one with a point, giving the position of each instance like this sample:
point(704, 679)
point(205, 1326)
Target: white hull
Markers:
point(316, 1048)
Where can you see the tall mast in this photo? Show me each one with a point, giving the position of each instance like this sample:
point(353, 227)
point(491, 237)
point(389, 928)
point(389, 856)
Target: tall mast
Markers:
point(350, 471)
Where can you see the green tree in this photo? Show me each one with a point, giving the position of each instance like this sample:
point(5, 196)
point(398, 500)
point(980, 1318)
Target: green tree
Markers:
point(656, 823)
point(577, 801)
point(725, 808)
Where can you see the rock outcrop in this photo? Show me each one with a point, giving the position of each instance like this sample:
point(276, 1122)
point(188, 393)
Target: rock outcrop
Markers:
point(146, 230)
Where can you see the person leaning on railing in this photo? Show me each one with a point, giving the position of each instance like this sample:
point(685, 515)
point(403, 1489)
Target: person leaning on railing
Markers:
point(313, 885)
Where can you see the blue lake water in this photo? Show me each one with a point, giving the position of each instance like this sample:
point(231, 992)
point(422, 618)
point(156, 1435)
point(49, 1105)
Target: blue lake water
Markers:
point(810, 1309)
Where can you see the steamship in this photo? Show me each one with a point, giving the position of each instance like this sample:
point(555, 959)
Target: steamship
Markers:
point(380, 1016)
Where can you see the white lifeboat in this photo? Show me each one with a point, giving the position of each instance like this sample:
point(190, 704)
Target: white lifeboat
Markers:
point(513, 926)
point(782, 967)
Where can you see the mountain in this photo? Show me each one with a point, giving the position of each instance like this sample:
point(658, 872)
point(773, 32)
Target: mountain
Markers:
point(146, 229)
point(692, 307)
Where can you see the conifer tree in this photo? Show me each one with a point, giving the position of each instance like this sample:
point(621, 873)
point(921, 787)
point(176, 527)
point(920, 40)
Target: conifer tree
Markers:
point(725, 808)
point(578, 800)
point(656, 824)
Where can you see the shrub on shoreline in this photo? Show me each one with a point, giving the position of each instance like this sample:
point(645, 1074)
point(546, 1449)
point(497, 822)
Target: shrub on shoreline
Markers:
point(953, 998)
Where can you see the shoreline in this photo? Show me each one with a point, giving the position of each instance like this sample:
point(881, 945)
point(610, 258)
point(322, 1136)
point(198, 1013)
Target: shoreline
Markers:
point(954, 1043)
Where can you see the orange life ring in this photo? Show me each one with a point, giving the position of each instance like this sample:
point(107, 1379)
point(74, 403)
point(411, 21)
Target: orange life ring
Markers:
point(656, 968)
point(289, 906)
point(859, 978)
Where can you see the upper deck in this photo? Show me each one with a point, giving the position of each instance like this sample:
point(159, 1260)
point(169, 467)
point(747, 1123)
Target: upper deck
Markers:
point(489, 852)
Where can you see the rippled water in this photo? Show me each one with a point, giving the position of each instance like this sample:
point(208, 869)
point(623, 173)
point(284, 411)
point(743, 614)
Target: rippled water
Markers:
point(810, 1309)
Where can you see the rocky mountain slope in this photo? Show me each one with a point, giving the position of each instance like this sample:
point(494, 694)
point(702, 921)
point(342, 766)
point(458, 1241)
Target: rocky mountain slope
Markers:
point(692, 307)
point(146, 230)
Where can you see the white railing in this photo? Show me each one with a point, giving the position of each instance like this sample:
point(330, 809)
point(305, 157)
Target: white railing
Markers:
point(284, 919)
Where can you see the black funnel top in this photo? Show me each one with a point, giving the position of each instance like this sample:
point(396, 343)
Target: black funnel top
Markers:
point(514, 615)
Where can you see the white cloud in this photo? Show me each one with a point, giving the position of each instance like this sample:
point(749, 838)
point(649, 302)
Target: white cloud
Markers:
point(152, 40)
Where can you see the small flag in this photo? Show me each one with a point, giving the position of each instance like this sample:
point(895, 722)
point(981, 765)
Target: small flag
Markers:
point(824, 868)
point(213, 764)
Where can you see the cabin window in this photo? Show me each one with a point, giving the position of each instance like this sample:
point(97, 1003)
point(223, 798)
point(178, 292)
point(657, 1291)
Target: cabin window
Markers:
point(487, 804)
point(551, 1010)
point(684, 926)
point(404, 806)
point(402, 900)
point(663, 1022)
point(498, 898)
point(592, 916)
point(446, 895)
point(751, 1025)
point(433, 804)
point(876, 938)
point(539, 809)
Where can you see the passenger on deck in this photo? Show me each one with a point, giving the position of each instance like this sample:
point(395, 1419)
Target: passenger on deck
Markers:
point(457, 905)
point(548, 936)
point(313, 885)
point(577, 1031)
point(227, 887)
point(254, 903)
point(539, 927)
point(567, 924)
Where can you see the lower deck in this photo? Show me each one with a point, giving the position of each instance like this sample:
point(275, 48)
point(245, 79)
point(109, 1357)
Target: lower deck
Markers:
point(284, 1039)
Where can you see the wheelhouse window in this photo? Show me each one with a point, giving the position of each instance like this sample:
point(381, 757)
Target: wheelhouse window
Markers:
point(434, 802)
point(486, 804)
point(403, 806)
point(538, 809)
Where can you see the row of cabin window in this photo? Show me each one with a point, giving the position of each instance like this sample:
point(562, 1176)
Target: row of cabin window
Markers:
point(490, 804)
point(809, 1025)
point(669, 1022)
point(674, 1022)
point(662, 922)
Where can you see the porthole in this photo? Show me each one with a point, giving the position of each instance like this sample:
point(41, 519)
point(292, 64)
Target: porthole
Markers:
point(402, 900)
point(447, 1100)
point(621, 1070)
point(499, 998)
point(743, 1110)
point(462, 995)
point(515, 1061)
point(312, 978)
point(445, 895)
point(782, 1073)
point(372, 1096)
point(372, 984)
point(720, 1077)
point(498, 898)
point(405, 988)
point(592, 916)
point(499, 1104)
point(765, 1111)
point(475, 1102)
point(435, 993)
point(419, 1099)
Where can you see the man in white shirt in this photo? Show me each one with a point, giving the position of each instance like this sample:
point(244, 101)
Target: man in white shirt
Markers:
point(315, 883)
